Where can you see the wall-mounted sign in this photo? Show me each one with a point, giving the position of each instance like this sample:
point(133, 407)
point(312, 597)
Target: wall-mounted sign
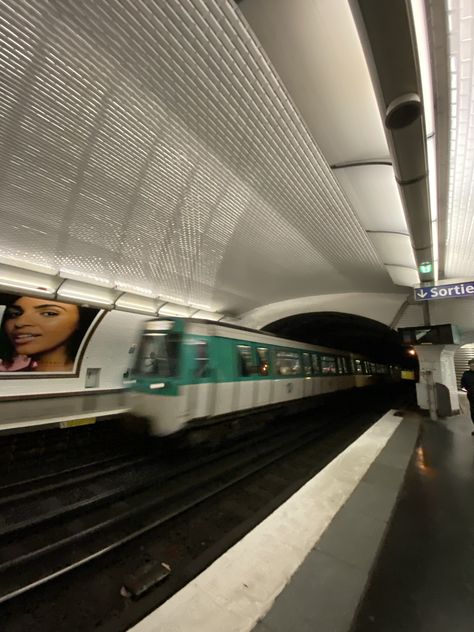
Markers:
point(453, 290)
point(430, 335)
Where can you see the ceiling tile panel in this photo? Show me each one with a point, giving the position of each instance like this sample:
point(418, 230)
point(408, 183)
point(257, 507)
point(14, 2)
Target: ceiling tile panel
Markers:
point(460, 231)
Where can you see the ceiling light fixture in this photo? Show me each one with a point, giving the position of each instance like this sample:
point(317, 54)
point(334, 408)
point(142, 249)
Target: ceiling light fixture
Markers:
point(424, 59)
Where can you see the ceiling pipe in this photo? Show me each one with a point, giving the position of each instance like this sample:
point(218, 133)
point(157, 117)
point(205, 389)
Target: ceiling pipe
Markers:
point(388, 38)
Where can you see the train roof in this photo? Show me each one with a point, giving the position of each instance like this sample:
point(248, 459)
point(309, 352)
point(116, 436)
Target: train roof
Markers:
point(228, 327)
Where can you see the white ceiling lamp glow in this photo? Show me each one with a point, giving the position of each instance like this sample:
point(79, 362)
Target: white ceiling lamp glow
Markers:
point(170, 309)
point(33, 266)
point(87, 294)
point(135, 289)
point(78, 275)
point(34, 283)
point(137, 304)
point(424, 59)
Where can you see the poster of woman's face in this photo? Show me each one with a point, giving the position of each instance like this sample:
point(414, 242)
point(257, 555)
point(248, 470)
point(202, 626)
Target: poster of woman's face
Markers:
point(42, 335)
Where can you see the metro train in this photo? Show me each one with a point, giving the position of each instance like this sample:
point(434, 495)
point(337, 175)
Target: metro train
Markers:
point(188, 372)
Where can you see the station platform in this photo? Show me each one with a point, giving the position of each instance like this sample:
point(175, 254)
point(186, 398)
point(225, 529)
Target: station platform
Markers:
point(380, 540)
point(70, 410)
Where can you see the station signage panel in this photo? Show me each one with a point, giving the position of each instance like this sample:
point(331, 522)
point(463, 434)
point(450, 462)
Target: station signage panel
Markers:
point(452, 290)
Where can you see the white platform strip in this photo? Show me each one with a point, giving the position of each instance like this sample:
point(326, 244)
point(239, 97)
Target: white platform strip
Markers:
point(238, 589)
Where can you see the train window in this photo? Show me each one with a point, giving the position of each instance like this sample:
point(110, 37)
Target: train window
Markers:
point(328, 365)
point(345, 364)
point(307, 364)
point(158, 355)
point(263, 361)
point(246, 362)
point(287, 363)
point(358, 366)
point(316, 363)
point(339, 366)
point(202, 359)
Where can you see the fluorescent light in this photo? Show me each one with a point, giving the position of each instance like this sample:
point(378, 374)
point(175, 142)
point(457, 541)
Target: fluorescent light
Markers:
point(170, 309)
point(424, 58)
point(78, 275)
point(84, 298)
point(28, 265)
point(33, 283)
point(89, 294)
point(135, 289)
point(26, 288)
point(137, 304)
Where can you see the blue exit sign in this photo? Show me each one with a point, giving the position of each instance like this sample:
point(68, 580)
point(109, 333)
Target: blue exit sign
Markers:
point(453, 290)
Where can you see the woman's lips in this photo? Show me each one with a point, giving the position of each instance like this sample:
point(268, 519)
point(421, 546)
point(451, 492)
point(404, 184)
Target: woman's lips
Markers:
point(21, 339)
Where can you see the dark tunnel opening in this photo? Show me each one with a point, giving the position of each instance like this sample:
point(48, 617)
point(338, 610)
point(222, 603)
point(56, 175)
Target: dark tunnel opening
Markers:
point(347, 332)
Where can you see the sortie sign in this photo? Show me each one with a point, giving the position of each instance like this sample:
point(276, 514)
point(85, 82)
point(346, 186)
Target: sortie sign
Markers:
point(453, 290)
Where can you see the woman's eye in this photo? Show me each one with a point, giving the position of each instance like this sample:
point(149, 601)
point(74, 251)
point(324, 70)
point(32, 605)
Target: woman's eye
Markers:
point(49, 313)
point(12, 313)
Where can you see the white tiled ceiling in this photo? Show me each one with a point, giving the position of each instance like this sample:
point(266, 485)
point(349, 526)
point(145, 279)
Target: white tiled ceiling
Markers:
point(460, 234)
point(150, 144)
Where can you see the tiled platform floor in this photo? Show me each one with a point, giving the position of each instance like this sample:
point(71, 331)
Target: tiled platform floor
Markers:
point(324, 593)
point(424, 578)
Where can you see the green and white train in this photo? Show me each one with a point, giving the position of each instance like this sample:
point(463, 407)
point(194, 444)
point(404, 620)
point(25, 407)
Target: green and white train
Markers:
point(189, 371)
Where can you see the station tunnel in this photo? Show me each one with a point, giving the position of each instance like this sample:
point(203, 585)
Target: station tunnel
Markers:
point(236, 316)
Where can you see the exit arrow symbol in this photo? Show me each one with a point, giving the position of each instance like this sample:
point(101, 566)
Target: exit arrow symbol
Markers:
point(421, 293)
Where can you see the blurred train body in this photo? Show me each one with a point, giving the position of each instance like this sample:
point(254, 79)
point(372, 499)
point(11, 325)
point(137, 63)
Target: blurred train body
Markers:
point(188, 371)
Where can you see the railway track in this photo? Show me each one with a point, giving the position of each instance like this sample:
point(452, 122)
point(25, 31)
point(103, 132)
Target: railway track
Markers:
point(61, 535)
point(51, 530)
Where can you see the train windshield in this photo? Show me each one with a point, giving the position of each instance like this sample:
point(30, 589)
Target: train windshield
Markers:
point(158, 355)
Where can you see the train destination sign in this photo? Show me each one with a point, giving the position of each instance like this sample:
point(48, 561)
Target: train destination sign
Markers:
point(453, 290)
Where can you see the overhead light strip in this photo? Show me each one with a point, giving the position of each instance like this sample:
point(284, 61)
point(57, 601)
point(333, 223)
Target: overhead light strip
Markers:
point(424, 59)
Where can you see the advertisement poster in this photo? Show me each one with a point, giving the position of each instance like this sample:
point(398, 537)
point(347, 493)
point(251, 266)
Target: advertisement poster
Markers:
point(41, 336)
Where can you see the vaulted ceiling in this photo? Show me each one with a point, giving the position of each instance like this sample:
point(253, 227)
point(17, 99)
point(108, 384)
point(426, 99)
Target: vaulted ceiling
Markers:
point(202, 152)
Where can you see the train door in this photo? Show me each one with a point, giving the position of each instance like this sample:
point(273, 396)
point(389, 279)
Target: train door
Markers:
point(245, 391)
point(201, 389)
point(288, 370)
point(307, 382)
point(316, 373)
point(264, 383)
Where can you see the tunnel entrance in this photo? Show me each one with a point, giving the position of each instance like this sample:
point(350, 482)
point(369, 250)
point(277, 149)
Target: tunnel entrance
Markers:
point(346, 332)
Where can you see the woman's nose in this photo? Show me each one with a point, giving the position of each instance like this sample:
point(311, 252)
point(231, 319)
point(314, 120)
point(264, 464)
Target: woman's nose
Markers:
point(21, 321)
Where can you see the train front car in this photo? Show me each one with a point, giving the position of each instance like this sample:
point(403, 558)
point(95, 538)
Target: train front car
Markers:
point(155, 391)
point(190, 373)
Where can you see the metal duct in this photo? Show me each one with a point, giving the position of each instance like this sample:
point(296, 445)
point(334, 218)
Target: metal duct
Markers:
point(387, 34)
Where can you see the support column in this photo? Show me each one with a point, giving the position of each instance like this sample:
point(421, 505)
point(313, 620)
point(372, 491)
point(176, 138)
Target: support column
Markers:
point(437, 389)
